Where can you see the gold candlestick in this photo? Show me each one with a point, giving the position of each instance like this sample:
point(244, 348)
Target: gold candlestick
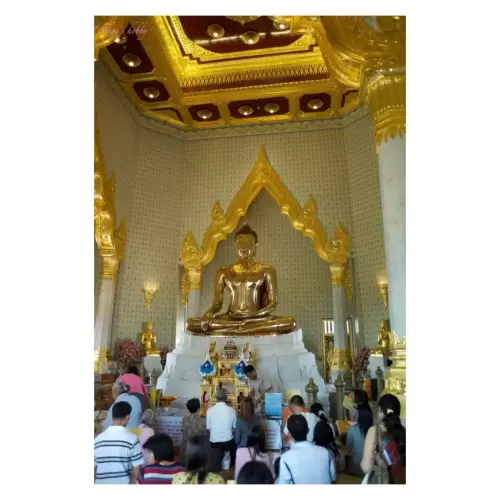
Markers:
point(149, 293)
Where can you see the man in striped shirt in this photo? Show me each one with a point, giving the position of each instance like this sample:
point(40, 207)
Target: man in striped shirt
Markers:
point(164, 467)
point(117, 451)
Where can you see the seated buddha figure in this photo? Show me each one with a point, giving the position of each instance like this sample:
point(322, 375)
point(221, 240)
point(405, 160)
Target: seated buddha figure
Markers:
point(148, 341)
point(253, 297)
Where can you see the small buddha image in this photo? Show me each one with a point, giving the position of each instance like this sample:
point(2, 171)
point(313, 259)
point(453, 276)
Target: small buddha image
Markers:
point(212, 351)
point(148, 340)
point(384, 335)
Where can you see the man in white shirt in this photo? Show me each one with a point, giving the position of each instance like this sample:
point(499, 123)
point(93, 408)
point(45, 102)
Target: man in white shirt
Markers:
point(257, 388)
point(117, 451)
point(221, 421)
point(298, 407)
point(305, 463)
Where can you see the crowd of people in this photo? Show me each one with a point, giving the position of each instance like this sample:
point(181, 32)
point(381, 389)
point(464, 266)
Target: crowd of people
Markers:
point(129, 451)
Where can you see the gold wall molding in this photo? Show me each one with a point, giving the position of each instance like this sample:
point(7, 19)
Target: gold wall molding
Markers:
point(109, 267)
point(386, 98)
point(303, 219)
point(332, 123)
point(110, 241)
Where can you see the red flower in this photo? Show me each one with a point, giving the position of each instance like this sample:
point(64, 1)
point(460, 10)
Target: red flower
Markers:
point(127, 351)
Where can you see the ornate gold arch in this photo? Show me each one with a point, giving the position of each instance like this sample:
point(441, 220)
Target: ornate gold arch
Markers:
point(110, 240)
point(303, 219)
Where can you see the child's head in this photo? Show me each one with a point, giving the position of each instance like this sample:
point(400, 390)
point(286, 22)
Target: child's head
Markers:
point(277, 467)
point(160, 447)
point(193, 405)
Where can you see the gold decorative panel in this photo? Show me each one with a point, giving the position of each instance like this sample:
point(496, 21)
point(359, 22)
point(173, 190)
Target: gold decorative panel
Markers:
point(265, 59)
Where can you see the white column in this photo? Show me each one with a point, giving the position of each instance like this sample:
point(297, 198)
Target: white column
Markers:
point(193, 310)
point(339, 317)
point(194, 303)
point(102, 328)
point(339, 310)
point(392, 170)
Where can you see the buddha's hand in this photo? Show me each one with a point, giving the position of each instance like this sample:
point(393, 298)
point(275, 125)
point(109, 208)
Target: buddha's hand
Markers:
point(206, 320)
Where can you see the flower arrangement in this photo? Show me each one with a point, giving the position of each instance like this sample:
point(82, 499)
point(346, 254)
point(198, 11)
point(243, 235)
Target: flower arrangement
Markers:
point(127, 352)
point(362, 359)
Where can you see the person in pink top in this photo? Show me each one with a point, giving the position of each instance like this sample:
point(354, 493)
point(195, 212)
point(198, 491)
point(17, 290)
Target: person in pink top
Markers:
point(137, 387)
point(146, 431)
point(254, 450)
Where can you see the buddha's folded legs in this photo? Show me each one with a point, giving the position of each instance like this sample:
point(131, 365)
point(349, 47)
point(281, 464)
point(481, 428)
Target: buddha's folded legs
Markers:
point(274, 325)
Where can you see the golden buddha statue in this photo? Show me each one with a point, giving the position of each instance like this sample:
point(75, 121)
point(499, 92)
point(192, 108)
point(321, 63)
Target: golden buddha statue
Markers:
point(253, 297)
point(384, 335)
point(148, 341)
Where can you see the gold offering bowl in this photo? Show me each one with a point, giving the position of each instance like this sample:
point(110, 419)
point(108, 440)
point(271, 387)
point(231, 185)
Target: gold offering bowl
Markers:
point(166, 400)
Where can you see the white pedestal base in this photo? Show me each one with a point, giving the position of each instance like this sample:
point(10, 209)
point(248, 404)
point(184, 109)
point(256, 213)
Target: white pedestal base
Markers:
point(282, 360)
point(152, 363)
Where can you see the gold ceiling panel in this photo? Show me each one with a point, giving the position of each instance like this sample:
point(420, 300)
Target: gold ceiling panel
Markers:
point(327, 55)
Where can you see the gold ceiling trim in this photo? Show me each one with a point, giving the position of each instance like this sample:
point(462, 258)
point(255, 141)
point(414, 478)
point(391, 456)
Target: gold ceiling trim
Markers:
point(225, 78)
point(303, 219)
point(106, 29)
point(197, 52)
point(362, 46)
point(348, 48)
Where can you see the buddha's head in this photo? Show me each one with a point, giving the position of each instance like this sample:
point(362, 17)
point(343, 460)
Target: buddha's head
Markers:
point(246, 242)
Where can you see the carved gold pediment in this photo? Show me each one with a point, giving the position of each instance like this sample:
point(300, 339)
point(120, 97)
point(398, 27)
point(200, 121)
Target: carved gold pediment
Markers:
point(303, 219)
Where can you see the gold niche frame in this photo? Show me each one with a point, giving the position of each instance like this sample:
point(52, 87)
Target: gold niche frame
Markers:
point(303, 219)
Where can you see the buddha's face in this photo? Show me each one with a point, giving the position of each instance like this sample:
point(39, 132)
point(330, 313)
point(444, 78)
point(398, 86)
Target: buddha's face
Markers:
point(245, 246)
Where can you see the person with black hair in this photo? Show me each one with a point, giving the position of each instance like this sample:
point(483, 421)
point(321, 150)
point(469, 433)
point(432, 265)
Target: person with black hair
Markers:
point(392, 435)
point(164, 467)
point(258, 388)
point(298, 407)
point(246, 420)
point(305, 463)
point(255, 450)
point(198, 464)
point(192, 424)
point(137, 387)
point(364, 410)
point(117, 452)
point(325, 437)
point(255, 473)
